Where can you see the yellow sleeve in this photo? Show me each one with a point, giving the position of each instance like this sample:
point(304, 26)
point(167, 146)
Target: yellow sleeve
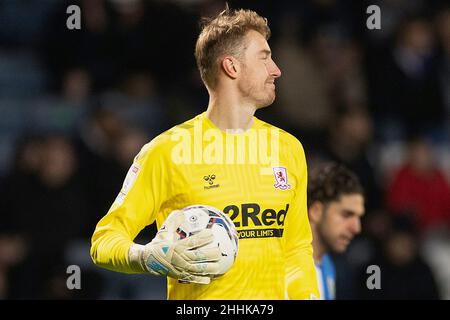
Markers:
point(301, 278)
point(145, 187)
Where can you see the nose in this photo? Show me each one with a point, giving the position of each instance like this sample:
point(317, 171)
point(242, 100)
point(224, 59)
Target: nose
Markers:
point(355, 225)
point(274, 70)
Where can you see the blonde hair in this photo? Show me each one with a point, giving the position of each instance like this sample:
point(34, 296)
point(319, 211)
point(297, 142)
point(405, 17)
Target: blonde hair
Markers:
point(223, 35)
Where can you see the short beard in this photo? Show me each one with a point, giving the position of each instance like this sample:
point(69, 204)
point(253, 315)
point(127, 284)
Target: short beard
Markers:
point(247, 91)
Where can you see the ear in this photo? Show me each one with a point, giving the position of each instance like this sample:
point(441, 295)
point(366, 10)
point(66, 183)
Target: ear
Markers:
point(315, 212)
point(231, 67)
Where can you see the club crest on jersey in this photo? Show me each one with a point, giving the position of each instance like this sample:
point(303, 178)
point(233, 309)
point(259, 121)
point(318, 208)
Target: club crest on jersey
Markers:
point(281, 178)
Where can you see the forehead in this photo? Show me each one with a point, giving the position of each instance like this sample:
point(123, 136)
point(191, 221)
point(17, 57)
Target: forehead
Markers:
point(350, 202)
point(255, 42)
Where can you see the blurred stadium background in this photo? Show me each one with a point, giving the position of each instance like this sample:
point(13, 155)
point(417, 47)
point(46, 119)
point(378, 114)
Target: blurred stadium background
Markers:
point(76, 106)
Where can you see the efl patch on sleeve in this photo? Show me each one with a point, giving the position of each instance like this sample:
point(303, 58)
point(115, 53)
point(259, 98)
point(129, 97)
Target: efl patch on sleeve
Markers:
point(128, 183)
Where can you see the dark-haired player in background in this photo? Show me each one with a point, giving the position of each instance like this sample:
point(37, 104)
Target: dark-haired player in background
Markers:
point(335, 208)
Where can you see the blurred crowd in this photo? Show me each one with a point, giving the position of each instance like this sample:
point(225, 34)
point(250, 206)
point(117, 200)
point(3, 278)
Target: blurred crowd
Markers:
point(77, 105)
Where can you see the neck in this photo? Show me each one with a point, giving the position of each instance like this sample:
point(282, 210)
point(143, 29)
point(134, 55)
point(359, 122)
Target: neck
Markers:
point(229, 112)
point(319, 248)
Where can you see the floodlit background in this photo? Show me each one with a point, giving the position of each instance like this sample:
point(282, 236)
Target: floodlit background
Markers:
point(77, 105)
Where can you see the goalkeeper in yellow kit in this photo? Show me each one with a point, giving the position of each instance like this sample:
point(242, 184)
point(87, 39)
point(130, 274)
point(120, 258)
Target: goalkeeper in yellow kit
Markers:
point(228, 159)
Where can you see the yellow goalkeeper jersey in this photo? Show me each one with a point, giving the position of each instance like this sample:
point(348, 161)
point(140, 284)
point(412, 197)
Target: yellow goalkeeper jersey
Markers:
point(258, 177)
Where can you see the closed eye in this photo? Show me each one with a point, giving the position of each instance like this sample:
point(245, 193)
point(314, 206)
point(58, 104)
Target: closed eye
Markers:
point(265, 54)
point(347, 213)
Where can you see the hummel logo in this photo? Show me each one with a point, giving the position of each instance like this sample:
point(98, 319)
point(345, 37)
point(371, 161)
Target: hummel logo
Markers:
point(210, 179)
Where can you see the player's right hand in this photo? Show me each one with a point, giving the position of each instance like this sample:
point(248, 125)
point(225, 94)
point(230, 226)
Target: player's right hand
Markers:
point(187, 260)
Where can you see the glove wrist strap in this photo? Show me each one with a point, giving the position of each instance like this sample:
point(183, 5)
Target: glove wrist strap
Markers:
point(135, 257)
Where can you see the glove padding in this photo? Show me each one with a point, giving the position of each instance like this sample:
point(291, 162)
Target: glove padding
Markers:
point(187, 260)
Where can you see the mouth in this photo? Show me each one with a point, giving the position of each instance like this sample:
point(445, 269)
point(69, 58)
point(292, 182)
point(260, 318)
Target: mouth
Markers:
point(346, 240)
